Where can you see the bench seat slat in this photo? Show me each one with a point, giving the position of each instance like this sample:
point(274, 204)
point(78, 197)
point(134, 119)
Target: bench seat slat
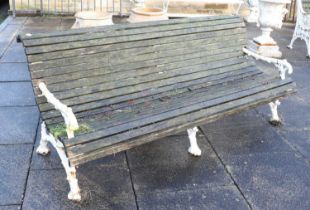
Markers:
point(98, 94)
point(133, 117)
point(166, 91)
point(151, 132)
point(202, 105)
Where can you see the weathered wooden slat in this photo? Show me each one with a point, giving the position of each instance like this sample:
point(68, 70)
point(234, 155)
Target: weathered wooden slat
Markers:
point(84, 67)
point(106, 74)
point(91, 138)
point(52, 116)
point(120, 27)
point(149, 36)
point(212, 36)
point(121, 56)
point(105, 82)
point(96, 109)
point(131, 119)
point(159, 68)
point(92, 95)
point(115, 97)
point(207, 115)
point(184, 120)
point(134, 31)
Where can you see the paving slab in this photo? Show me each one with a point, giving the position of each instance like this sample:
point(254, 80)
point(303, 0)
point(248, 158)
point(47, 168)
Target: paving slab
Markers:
point(244, 133)
point(215, 198)
point(43, 22)
point(300, 140)
point(18, 124)
point(8, 34)
point(14, 165)
point(15, 53)
point(10, 207)
point(165, 165)
point(16, 94)
point(272, 180)
point(103, 187)
point(10, 72)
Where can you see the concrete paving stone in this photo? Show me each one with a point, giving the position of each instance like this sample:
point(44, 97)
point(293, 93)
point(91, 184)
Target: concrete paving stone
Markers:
point(17, 20)
point(244, 135)
point(43, 22)
point(216, 198)
point(165, 164)
point(16, 94)
point(14, 165)
point(301, 74)
point(272, 181)
point(18, 124)
point(7, 35)
point(243, 119)
point(300, 140)
point(103, 187)
point(67, 22)
point(15, 53)
point(14, 72)
point(10, 207)
point(36, 30)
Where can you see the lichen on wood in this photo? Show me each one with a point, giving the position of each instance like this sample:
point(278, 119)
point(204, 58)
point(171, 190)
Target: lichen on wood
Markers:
point(59, 130)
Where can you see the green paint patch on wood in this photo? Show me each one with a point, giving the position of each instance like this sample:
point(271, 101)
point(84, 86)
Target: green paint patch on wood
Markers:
point(59, 130)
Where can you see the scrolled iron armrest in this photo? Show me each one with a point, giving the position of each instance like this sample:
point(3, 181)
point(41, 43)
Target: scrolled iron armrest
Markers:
point(282, 65)
point(66, 112)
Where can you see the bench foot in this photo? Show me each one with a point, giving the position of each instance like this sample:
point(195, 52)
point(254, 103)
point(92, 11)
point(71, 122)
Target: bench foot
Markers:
point(74, 193)
point(43, 149)
point(194, 148)
point(275, 119)
point(43, 146)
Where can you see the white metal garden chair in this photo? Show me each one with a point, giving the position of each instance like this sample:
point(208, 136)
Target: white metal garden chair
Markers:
point(302, 28)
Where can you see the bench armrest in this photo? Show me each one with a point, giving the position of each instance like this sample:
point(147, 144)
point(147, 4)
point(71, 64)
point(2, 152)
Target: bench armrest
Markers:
point(66, 112)
point(282, 65)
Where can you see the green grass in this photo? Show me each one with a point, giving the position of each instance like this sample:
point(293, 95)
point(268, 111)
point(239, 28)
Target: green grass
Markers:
point(59, 130)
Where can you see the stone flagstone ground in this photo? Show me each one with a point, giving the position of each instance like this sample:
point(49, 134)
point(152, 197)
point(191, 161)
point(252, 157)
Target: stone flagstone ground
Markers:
point(246, 163)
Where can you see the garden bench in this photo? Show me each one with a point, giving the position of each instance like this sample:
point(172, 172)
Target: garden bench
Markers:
point(302, 27)
point(131, 84)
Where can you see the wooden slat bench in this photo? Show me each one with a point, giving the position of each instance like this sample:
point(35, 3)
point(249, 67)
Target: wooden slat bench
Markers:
point(132, 84)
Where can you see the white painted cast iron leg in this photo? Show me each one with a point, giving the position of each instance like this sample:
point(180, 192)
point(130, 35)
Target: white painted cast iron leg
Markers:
point(275, 119)
point(290, 46)
point(43, 147)
point(194, 148)
point(74, 193)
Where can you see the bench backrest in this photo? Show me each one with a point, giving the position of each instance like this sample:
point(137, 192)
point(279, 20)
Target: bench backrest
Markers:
point(95, 68)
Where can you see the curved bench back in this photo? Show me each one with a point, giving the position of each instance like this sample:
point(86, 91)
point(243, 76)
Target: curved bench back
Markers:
point(94, 68)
